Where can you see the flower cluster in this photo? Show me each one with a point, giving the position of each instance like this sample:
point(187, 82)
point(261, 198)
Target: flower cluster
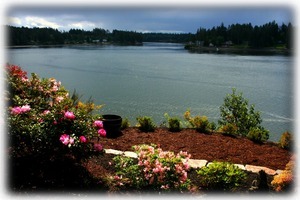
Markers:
point(156, 168)
point(99, 125)
point(20, 110)
point(42, 117)
point(163, 168)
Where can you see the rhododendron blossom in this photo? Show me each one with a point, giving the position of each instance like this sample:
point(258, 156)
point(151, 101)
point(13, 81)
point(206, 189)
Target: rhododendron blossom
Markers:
point(71, 140)
point(64, 139)
point(102, 132)
point(16, 110)
point(25, 108)
point(69, 115)
point(98, 124)
point(98, 147)
point(82, 139)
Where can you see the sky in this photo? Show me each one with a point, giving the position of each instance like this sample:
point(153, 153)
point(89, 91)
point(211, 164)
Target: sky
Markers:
point(170, 19)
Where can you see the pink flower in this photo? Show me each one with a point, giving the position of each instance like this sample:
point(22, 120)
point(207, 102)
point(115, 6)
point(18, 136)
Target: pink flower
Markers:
point(69, 115)
point(102, 132)
point(183, 177)
point(16, 110)
point(25, 108)
point(59, 99)
point(54, 88)
point(46, 112)
point(64, 139)
point(82, 139)
point(71, 140)
point(98, 124)
point(98, 147)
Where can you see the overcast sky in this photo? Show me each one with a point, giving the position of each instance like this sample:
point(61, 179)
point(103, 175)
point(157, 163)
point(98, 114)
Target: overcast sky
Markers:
point(144, 19)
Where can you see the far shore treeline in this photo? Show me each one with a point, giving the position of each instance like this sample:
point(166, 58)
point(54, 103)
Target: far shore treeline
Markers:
point(268, 35)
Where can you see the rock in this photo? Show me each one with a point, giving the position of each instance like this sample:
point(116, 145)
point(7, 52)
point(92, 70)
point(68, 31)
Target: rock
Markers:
point(130, 154)
point(112, 151)
point(193, 163)
point(256, 169)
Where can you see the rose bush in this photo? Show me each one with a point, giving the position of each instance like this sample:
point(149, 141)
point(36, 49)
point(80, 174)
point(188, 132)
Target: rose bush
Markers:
point(42, 118)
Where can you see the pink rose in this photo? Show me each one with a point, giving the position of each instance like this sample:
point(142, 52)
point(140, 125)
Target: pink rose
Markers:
point(98, 147)
point(98, 124)
point(64, 139)
point(82, 139)
point(16, 110)
point(102, 132)
point(69, 115)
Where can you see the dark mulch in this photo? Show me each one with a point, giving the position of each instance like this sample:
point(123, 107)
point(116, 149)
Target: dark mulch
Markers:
point(209, 147)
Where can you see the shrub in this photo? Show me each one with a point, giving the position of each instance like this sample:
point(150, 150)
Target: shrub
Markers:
point(125, 124)
point(146, 124)
point(42, 118)
point(286, 140)
point(229, 129)
point(258, 134)
point(155, 169)
point(236, 111)
point(284, 180)
point(174, 124)
point(221, 176)
point(200, 123)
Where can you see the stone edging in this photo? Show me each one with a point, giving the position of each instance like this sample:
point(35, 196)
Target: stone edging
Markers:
point(195, 163)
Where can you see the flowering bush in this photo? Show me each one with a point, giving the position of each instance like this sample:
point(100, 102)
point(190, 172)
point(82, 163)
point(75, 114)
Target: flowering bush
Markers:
point(43, 118)
point(155, 168)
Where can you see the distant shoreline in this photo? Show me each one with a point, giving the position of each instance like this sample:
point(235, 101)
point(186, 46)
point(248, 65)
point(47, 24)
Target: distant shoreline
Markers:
point(239, 51)
point(190, 48)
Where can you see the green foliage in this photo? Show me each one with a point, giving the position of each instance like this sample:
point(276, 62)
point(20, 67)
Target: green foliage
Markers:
point(200, 123)
point(221, 176)
point(155, 169)
point(125, 124)
point(286, 140)
point(128, 173)
point(145, 124)
point(174, 123)
point(235, 111)
point(258, 134)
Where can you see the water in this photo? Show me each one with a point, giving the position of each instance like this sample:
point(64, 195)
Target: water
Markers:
point(160, 78)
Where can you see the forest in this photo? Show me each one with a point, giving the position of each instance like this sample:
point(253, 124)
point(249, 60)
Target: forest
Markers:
point(268, 35)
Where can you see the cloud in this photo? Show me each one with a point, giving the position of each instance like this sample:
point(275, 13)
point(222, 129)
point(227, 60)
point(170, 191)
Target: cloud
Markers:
point(14, 21)
point(40, 22)
point(86, 25)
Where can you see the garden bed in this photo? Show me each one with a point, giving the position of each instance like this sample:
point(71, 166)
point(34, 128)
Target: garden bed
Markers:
point(66, 174)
